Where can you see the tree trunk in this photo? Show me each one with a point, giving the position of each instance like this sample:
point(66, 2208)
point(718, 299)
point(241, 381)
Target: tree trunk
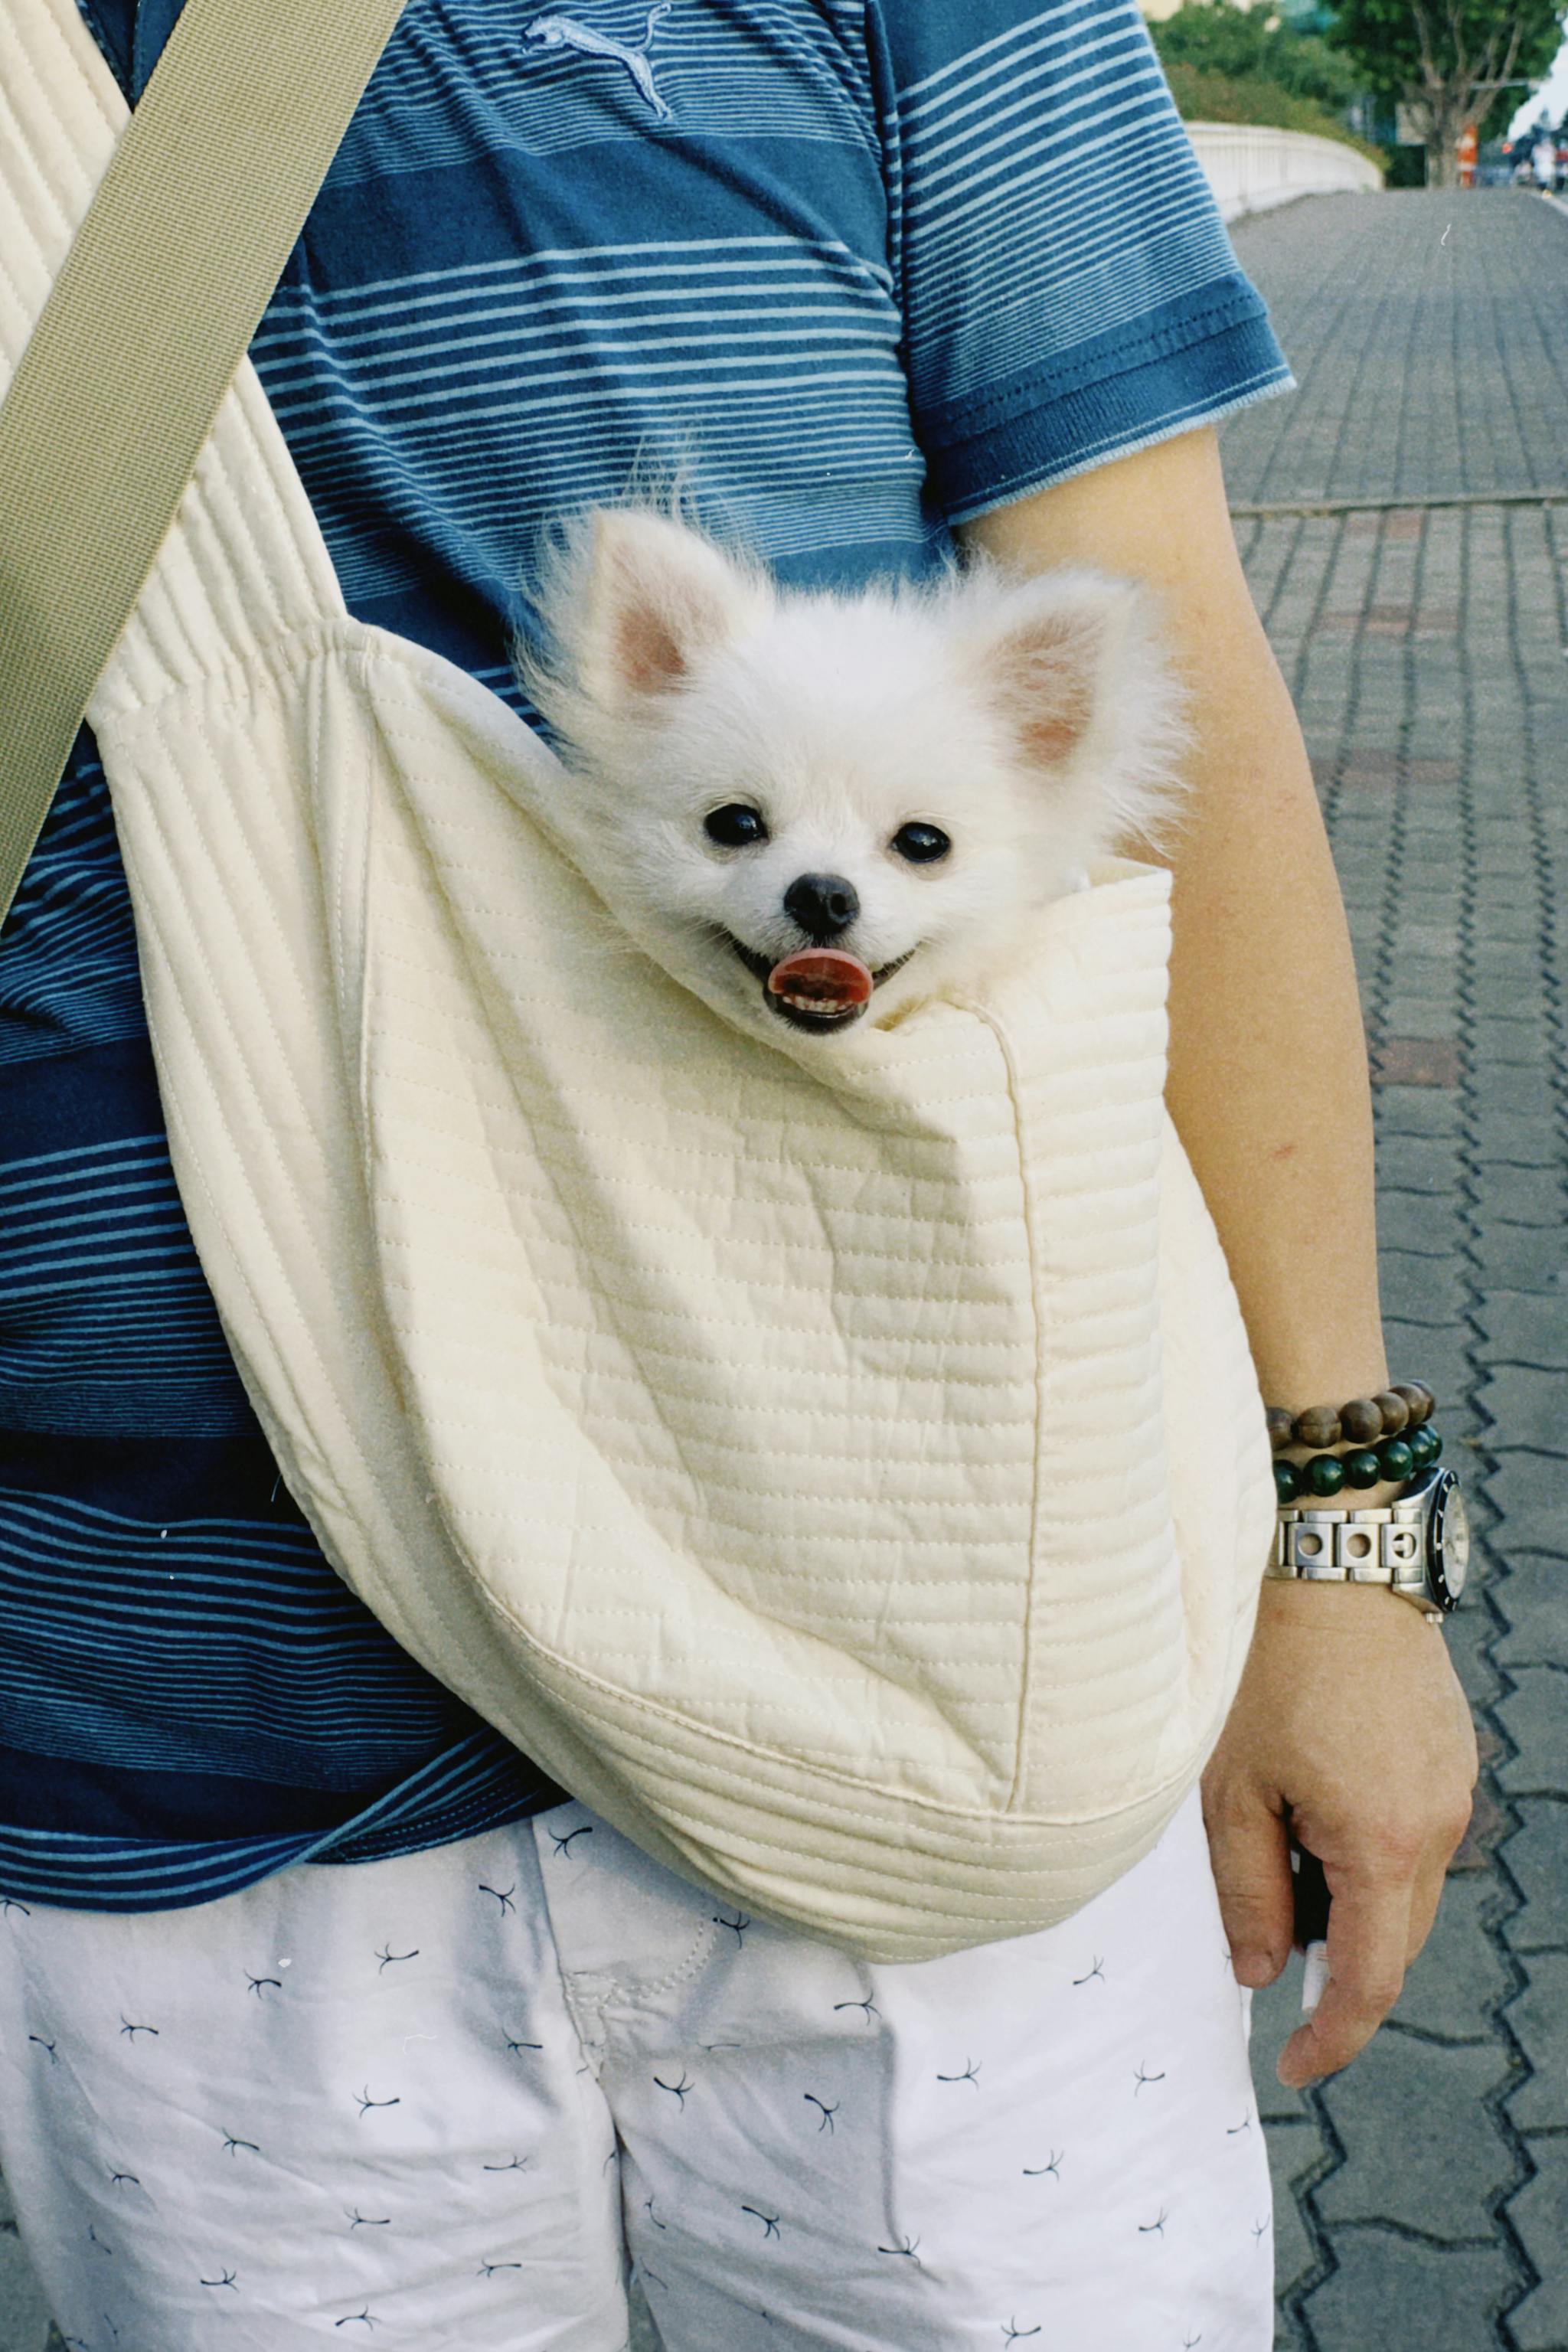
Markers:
point(1442, 164)
point(1445, 110)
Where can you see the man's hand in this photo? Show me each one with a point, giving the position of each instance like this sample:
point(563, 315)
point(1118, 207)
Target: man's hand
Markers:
point(1351, 1731)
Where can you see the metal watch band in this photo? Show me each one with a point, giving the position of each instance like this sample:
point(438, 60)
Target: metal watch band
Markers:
point(1345, 1547)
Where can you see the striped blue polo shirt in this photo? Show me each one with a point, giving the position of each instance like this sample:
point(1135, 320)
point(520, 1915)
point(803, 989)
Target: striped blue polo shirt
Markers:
point(854, 270)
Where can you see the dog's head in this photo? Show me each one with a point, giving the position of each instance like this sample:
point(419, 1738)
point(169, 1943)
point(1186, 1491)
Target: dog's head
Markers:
point(841, 801)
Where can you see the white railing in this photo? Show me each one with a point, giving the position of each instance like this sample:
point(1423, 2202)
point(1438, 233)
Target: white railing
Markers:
point(1251, 167)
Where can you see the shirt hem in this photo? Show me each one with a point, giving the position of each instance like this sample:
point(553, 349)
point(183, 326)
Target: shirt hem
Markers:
point(1212, 375)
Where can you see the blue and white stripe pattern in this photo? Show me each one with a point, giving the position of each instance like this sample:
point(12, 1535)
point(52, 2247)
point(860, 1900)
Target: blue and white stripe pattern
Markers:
point(96, 1274)
point(853, 272)
point(77, 984)
point(1022, 161)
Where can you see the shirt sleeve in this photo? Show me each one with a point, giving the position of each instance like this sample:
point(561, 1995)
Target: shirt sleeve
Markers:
point(1069, 291)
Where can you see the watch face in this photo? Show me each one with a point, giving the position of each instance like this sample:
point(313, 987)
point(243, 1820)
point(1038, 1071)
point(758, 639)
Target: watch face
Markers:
point(1450, 1554)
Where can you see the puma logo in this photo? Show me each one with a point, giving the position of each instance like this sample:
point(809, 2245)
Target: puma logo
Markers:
point(555, 32)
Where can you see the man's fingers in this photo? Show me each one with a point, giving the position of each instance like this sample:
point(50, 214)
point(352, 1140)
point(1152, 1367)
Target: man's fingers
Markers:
point(1369, 1938)
point(1251, 1858)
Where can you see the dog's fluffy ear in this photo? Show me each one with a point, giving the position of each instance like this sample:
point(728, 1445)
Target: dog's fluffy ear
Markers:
point(653, 597)
point(1056, 655)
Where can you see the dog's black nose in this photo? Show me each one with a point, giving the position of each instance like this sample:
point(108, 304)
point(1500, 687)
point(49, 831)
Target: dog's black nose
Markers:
point(821, 904)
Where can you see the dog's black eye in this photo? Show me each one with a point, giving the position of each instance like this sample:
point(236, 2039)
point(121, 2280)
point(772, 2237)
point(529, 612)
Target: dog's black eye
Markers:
point(734, 826)
point(922, 844)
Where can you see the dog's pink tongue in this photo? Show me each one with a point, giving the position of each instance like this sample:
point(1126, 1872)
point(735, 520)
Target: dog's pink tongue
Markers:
point(826, 978)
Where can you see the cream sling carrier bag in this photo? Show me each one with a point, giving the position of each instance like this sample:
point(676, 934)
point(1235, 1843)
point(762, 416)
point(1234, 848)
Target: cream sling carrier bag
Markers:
point(852, 1482)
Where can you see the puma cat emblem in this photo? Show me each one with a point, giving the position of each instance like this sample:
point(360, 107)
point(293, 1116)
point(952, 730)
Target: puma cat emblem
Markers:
point(559, 32)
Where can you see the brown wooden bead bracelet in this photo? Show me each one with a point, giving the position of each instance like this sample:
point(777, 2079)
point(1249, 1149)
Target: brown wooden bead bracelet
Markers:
point(1362, 1422)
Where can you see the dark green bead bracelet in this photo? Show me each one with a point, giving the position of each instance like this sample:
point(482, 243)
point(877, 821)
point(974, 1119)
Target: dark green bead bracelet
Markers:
point(1327, 1475)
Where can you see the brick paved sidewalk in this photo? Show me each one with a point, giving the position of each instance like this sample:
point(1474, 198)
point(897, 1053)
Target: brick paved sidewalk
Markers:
point(1423, 2199)
point(1428, 336)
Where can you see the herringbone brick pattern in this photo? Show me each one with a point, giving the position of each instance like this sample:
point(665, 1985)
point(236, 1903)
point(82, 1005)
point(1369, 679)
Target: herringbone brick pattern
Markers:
point(1426, 336)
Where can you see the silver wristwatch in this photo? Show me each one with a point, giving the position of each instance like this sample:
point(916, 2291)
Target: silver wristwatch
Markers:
point(1418, 1545)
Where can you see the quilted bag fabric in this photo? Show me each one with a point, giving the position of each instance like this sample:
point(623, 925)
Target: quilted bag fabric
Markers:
point(847, 1474)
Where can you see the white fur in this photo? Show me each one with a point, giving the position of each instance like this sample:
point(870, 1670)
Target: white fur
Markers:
point(1032, 719)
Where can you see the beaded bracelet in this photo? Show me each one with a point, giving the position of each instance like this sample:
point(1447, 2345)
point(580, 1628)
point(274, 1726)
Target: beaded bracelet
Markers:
point(1365, 1419)
point(1326, 1474)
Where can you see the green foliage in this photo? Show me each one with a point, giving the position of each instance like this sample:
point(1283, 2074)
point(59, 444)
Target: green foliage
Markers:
point(1468, 41)
point(1204, 97)
point(1231, 64)
point(1252, 44)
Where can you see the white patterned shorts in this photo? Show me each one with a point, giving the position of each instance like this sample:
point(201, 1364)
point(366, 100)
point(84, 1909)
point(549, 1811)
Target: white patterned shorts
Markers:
point(438, 2101)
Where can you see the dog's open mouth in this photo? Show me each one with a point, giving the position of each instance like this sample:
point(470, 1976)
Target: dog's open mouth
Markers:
point(817, 988)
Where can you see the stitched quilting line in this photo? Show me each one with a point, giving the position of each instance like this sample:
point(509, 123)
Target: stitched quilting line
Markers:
point(1153, 1564)
point(239, 540)
point(933, 1301)
point(753, 1165)
point(547, 1183)
point(219, 1227)
point(711, 1514)
point(1025, 1711)
point(91, 74)
point(1133, 1063)
point(746, 1445)
point(189, 1156)
point(349, 890)
point(703, 1396)
point(44, 80)
point(720, 1158)
point(715, 1362)
point(1137, 1127)
point(900, 1739)
point(759, 1760)
point(1092, 1067)
point(558, 1143)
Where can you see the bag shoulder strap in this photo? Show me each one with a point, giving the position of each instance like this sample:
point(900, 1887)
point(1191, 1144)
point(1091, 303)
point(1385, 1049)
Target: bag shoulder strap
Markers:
point(150, 315)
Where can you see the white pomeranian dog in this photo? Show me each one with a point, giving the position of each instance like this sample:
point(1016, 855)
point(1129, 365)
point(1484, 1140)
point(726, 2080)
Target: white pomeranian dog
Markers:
point(822, 807)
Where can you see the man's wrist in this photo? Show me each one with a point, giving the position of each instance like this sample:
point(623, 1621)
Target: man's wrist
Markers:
point(1333, 1607)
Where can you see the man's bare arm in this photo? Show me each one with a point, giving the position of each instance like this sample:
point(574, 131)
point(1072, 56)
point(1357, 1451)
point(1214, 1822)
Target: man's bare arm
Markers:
point(1348, 1714)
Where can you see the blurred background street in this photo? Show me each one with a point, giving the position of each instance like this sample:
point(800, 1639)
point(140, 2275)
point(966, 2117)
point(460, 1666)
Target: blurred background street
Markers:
point(1404, 519)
